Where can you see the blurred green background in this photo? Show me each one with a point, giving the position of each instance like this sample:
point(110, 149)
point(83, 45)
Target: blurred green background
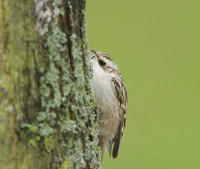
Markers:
point(156, 45)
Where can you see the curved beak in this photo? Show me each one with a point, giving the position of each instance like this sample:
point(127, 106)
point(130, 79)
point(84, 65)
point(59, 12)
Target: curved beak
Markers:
point(95, 54)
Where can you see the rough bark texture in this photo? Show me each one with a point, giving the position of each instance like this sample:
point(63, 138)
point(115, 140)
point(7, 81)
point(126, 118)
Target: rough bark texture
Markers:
point(47, 111)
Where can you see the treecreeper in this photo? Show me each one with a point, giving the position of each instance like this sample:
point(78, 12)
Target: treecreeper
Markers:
point(111, 95)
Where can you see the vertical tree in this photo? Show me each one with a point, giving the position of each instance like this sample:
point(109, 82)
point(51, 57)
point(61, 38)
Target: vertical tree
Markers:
point(48, 116)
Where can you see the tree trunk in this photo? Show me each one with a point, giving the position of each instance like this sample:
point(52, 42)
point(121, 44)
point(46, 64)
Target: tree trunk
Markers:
point(48, 116)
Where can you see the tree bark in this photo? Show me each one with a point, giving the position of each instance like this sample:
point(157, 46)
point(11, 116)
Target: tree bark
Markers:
point(48, 115)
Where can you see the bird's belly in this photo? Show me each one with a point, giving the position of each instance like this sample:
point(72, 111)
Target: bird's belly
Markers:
point(109, 117)
point(108, 124)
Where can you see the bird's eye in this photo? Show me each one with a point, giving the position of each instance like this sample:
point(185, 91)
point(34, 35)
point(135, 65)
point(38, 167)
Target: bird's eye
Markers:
point(102, 63)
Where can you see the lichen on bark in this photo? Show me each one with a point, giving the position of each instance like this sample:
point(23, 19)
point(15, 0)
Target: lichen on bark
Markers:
point(54, 112)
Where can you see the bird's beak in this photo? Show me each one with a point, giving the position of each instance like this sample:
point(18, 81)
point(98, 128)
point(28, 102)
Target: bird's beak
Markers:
point(94, 53)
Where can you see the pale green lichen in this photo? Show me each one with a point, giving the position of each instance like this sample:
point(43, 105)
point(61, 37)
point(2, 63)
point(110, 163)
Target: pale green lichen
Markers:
point(74, 90)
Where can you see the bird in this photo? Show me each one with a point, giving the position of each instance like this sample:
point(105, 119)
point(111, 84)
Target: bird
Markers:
point(111, 96)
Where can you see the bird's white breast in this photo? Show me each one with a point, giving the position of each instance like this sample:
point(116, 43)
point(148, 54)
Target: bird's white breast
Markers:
point(106, 99)
point(103, 89)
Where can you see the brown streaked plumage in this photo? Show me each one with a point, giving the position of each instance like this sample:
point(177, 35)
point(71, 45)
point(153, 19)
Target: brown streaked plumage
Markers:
point(110, 93)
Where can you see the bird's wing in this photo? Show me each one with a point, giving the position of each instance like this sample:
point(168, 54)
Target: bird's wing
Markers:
point(121, 95)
